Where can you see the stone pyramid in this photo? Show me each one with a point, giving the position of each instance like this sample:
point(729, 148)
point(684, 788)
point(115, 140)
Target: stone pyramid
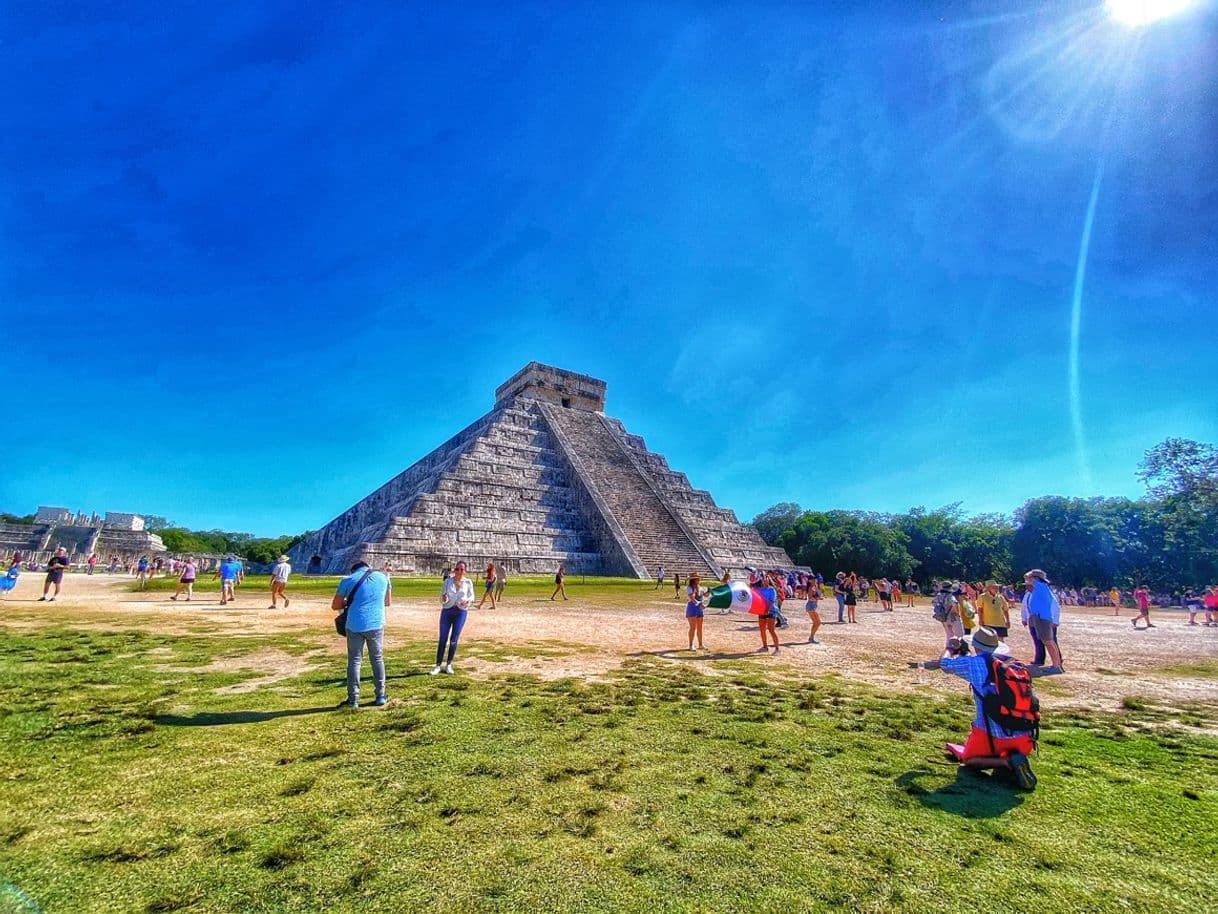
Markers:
point(544, 479)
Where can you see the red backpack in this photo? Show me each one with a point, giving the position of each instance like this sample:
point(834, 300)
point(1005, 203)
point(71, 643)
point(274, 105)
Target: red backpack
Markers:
point(1012, 706)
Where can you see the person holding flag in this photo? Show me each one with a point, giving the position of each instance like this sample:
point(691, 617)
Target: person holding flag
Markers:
point(760, 601)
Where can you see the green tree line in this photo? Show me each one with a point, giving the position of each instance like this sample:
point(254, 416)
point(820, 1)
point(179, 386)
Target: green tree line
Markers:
point(1167, 539)
point(264, 550)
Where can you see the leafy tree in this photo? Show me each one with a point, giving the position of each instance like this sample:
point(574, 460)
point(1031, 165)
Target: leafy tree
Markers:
point(7, 518)
point(1182, 479)
point(1181, 468)
point(831, 541)
point(155, 522)
point(776, 520)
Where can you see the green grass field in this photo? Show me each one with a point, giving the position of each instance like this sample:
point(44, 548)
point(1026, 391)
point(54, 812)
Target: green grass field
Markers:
point(131, 781)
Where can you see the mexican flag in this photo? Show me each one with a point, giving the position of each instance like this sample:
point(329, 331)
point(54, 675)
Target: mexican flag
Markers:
point(737, 596)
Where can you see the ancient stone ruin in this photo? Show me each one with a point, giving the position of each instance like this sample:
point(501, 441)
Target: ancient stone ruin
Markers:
point(120, 534)
point(544, 479)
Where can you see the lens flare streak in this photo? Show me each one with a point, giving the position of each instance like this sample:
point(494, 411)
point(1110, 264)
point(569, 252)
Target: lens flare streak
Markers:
point(1076, 326)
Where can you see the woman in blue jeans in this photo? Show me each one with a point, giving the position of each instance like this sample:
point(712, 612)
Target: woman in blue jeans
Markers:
point(456, 595)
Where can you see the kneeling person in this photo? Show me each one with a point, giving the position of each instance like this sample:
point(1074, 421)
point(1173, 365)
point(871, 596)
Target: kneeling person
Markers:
point(1007, 717)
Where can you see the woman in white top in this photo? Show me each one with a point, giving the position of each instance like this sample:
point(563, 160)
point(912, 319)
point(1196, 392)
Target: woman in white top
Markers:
point(456, 595)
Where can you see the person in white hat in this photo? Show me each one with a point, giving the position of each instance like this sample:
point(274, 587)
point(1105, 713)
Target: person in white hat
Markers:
point(1007, 714)
point(279, 580)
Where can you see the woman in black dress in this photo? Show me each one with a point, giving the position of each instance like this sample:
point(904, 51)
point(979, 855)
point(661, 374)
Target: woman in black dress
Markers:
point(851, 588)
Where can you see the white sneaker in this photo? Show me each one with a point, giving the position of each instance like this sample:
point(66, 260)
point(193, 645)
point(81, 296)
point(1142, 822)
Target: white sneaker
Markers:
point(435, 670)
point(448, 668)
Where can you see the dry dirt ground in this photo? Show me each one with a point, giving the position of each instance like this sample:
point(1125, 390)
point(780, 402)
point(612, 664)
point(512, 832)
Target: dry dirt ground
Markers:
point(1173, 664)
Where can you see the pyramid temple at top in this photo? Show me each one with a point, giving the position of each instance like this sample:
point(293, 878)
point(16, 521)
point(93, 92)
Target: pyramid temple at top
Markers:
point(544, 479)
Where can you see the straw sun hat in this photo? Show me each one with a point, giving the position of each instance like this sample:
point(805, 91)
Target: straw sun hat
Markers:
point(986, 639)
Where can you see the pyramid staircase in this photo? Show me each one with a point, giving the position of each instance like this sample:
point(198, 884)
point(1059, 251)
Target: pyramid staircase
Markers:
point(544, 479)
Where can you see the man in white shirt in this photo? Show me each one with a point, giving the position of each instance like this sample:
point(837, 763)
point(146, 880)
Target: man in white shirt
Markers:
point(279, 580)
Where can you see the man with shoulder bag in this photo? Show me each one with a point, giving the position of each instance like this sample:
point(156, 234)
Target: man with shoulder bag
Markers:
point(360, 602)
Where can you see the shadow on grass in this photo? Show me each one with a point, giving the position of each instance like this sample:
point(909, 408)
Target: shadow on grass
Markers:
point(222, 718)
point(973, 794)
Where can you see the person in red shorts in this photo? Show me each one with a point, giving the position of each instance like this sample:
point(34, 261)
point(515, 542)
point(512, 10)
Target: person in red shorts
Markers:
point(989, 743)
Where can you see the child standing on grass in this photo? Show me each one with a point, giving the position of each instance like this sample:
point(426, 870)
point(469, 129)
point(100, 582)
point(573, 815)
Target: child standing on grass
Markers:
point(813, 608)
point(693, 610)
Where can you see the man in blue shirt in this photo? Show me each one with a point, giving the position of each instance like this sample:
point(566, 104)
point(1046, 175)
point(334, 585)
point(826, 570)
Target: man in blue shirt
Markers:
point(229, 571)
point(989, 745)
point(370, 593)
point(1044, 614)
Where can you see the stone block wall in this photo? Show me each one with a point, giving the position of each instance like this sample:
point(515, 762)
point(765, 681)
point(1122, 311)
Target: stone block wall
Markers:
point(732, 544)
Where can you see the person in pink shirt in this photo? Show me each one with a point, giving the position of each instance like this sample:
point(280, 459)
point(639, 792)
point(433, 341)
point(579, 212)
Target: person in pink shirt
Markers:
point(1211, 605)
point(1141, 596)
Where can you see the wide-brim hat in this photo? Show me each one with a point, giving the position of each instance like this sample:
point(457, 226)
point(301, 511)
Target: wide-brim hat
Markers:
point(1037, 573)
point(283, 558)
point(986, 639)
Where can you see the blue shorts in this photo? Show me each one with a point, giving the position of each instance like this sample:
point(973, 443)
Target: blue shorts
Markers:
point(693, 611)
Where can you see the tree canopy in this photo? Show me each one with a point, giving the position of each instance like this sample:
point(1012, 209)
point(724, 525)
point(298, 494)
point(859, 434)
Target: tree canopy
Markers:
point(1169, 539)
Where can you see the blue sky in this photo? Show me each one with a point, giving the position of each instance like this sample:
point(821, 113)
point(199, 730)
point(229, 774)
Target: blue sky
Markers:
point(252, 265)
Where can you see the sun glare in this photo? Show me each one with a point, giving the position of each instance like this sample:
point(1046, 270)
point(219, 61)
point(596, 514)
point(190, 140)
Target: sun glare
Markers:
point(1143, 12)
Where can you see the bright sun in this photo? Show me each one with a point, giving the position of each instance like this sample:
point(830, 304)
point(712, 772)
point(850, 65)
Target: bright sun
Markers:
point(1141, 12)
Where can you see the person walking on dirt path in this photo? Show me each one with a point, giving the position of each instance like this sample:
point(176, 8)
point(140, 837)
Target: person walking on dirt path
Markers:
point(55, 569)
point(455, 597)
point(228, 572)
point(501, 577)
point(365, 594)
point(280, 572)
point(1141, 597)
point(945, 609)
point(91, 562)
point(141, 571)
point(812, 594)
point(694, 613)
point(488, 586)
point(559, 586)
point(1044, 615)
point(186, 581)
point(659, 578)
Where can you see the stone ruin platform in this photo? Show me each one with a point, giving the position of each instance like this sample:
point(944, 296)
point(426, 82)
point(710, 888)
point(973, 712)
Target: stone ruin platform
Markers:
point(38, 542)
point(544, 479)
